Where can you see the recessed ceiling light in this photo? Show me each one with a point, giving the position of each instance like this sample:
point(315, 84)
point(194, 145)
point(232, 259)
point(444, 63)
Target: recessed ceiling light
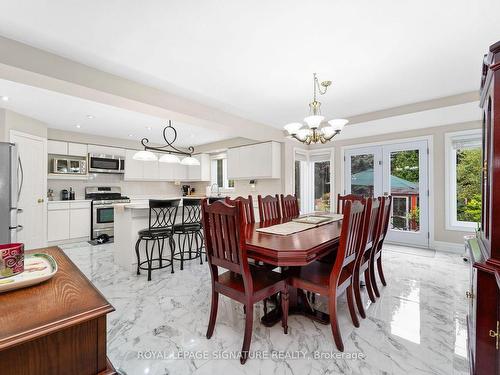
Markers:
point(78, 126)
point(90, 117)
point(5, 98)
point(130, 135)
point(149, 128)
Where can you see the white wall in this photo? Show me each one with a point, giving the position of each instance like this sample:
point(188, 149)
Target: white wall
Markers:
point(14, 121)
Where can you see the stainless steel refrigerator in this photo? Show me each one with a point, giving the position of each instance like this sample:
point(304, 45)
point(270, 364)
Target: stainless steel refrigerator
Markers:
point(11, 180)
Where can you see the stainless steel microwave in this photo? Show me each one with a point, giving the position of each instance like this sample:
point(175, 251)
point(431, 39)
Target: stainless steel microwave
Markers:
point(100, 163)
point(70, 165)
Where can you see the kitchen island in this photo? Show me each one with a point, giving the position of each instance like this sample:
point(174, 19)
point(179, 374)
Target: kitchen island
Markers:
point(130, 218)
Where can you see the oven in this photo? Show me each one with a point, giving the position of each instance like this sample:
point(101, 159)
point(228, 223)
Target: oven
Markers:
point(103, 213)
point(102, 219)
point(99, 163)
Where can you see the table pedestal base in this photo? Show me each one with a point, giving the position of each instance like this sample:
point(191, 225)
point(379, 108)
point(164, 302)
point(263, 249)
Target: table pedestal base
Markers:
point(298, 305)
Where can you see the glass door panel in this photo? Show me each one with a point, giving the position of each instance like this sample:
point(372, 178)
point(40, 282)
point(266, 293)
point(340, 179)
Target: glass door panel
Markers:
point(405, 179)
point(399, 170)
point(362, 175)
point(321, 185)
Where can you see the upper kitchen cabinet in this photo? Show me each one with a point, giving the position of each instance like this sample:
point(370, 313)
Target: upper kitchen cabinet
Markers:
point(105, 150)
point(66, 148)
point(155, 171)
point(261, 160)
point(134, 169)
point(199, 172)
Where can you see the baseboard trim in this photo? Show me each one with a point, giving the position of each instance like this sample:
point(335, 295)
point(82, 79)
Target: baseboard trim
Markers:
point(449, 247)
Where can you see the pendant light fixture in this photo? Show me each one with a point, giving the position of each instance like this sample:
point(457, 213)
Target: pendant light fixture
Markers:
point(169, 151)
point(316, 130)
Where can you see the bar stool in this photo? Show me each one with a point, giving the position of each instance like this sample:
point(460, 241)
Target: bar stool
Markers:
point(191, 231)
point(162, 215)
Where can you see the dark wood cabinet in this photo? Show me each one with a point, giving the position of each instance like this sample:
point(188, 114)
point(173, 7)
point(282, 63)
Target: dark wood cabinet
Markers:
point(57, 327)
point(484, 309)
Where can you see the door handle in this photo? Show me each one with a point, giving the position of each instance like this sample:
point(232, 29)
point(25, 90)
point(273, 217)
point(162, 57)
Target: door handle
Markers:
point(22, 179)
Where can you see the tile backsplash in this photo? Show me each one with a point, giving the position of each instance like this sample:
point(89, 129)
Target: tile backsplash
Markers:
point(129, 188)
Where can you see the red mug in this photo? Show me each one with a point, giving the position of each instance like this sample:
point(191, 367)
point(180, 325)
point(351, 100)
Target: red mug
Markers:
point(11, 259)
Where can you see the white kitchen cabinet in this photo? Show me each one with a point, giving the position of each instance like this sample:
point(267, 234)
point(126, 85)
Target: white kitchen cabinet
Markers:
point(68, 220)
point(166, 171)
point(58, 222)
point(105, 150)
point(151, 170)
point(66, 148)
point(180, 172)
point(134, 169)
point(257, 161)
point(57, 147)
point(199, 172)
point(79, 220)
point(233, 163)
point(77, 149)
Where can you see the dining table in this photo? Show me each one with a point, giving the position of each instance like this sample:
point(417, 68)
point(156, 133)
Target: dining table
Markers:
point(291, 251)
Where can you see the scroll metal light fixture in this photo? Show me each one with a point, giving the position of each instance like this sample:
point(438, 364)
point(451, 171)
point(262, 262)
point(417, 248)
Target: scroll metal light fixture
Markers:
point(316, 131)
point(169, 151)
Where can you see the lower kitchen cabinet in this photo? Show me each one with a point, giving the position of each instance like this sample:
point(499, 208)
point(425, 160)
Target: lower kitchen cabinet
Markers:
point(57, 223)
point(68, 220)
point(79, 220)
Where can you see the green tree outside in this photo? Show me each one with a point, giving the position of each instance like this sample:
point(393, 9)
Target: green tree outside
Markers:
point(469, 173)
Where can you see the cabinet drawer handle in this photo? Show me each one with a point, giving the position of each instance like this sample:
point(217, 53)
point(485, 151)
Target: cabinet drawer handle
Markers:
point(496, 335)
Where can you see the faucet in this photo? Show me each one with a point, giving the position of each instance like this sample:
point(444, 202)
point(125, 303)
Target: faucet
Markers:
point(217, 188)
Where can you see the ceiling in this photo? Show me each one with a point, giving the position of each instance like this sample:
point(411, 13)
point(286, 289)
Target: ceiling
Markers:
point(65, 112)
point(256, 59)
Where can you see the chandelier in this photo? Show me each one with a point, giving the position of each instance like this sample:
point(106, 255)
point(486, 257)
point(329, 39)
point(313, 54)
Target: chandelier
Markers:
point(316, 130)
point(169, 151)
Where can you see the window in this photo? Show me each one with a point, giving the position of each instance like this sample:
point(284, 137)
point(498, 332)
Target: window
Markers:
point(464, 172)
point(219, 172)
point(300, 179)
point(321, 181)
point(312, 180)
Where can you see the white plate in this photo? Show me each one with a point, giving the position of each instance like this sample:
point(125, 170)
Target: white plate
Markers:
point(37, 268)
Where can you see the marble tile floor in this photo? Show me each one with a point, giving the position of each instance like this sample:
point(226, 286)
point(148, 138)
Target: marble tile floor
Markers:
point(418, 325)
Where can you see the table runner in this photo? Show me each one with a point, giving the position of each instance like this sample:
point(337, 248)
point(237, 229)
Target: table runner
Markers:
point(294, 227)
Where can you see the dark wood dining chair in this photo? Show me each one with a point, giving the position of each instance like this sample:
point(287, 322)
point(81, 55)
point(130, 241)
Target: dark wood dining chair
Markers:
point(247, 205)
point(371, 230)
point(377, 253)
point(269, 207)
point(341, 199)
point(331, 280)
point(225, 243)
point(289, 206)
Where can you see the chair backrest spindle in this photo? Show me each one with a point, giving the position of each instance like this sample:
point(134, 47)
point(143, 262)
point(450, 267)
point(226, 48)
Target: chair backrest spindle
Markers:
point(247, 206)
point(269, 207)
point(289, 206)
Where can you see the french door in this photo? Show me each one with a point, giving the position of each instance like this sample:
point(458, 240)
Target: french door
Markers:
point(399, 170)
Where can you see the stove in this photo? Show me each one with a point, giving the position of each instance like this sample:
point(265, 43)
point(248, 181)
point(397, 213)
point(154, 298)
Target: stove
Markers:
point(102, 217)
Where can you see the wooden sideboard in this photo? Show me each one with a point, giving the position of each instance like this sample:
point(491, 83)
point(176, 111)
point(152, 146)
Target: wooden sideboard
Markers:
point(55, 328)
point(483, 320)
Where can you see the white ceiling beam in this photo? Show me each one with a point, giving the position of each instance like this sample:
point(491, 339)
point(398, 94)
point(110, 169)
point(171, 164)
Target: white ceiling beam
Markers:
point(31, 66)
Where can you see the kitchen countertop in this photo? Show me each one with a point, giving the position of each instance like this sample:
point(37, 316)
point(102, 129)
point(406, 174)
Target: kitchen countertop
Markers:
point(141, 204)
point(69, 201)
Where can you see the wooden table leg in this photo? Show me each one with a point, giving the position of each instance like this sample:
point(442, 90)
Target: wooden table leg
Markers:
point(298, 305)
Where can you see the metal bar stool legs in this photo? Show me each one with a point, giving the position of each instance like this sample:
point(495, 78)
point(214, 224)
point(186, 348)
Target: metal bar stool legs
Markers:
point(158, 243)
point(186, 240)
